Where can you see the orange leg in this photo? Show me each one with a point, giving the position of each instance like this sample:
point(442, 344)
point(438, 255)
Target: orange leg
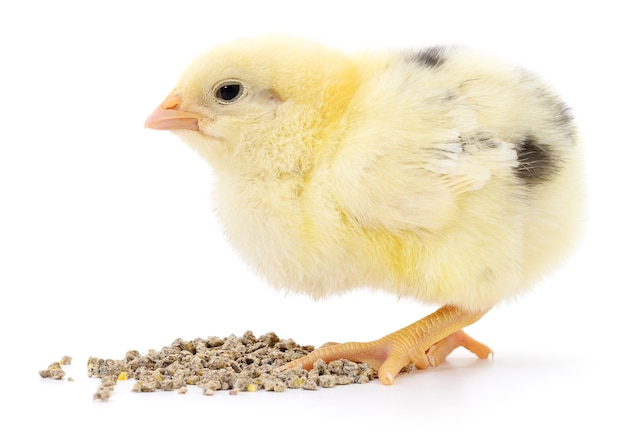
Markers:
point(426, 342)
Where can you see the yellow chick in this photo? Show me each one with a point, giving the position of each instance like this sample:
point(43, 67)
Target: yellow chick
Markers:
point(437, 174)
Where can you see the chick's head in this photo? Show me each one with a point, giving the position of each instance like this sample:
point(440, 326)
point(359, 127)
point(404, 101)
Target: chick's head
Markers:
point(258, 106)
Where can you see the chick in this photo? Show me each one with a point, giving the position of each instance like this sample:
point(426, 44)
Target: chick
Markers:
point(438, 174)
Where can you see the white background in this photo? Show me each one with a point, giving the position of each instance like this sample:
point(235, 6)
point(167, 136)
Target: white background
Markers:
point(108, 242)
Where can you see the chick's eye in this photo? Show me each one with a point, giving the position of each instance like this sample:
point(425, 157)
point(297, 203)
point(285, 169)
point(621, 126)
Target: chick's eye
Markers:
point(229, 92)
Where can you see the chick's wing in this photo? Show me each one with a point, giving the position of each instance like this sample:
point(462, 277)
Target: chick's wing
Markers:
point(416, 185)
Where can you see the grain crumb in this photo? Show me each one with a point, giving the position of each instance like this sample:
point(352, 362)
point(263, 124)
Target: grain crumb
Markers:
point(54, 371)
point(105, 389)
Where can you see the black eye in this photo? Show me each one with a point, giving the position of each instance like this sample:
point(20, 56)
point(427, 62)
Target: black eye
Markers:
point(229, 92)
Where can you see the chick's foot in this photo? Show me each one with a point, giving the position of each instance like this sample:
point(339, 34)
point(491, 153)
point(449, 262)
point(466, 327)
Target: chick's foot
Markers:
point(424, 343)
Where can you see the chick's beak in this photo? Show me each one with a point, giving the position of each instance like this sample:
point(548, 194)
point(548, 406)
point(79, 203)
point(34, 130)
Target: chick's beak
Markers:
point(167, 116)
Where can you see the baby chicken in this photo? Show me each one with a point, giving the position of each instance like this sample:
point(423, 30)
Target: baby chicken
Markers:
point(436, 174)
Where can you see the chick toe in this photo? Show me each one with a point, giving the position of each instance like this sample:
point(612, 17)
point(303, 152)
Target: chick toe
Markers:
point(440, 351)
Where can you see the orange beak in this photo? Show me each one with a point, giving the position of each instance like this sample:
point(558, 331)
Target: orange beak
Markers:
point(167, 116)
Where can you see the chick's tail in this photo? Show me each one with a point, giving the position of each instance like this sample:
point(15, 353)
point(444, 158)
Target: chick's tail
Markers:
point(424, 343)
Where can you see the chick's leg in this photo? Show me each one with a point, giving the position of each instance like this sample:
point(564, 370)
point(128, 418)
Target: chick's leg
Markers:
point(423, 343)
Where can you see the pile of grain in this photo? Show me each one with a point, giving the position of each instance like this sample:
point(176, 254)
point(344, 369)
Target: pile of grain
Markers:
point(234, 363)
